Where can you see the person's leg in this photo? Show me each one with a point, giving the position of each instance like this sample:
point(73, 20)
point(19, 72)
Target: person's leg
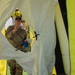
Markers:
point(12, 66)
point(19, 69)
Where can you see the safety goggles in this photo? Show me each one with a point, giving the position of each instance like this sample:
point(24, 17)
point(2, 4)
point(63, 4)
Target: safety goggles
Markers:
point(18, 18)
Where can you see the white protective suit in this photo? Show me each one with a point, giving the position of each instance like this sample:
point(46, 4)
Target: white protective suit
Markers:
point(39, 14)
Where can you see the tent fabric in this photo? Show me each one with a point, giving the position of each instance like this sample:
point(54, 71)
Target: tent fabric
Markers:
point(71, 28)
point(39, 14)
point(63, 40)
point(8, 23)
point(3, 63)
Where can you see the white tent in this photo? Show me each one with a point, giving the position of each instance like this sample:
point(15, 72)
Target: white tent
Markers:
point(39, 14)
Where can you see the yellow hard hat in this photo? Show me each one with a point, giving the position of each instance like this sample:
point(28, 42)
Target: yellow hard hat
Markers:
point(17, 13)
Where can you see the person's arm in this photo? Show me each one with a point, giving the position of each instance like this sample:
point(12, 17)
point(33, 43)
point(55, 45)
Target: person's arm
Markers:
point(25, 24)
point(8, 33)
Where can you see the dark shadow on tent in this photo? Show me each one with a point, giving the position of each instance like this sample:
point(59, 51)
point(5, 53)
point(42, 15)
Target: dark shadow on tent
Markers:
point(59, 63)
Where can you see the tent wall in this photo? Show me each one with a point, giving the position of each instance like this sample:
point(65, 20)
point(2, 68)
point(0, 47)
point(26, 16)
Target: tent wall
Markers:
point(71, 27)
point(59, 60)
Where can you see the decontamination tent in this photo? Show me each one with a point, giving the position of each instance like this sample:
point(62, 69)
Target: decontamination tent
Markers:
point(39, 14)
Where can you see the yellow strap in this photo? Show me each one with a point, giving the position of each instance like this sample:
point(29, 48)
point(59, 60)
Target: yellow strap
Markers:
point(2, 67)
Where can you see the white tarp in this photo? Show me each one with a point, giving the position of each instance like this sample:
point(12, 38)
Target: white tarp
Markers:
point(39, 14)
